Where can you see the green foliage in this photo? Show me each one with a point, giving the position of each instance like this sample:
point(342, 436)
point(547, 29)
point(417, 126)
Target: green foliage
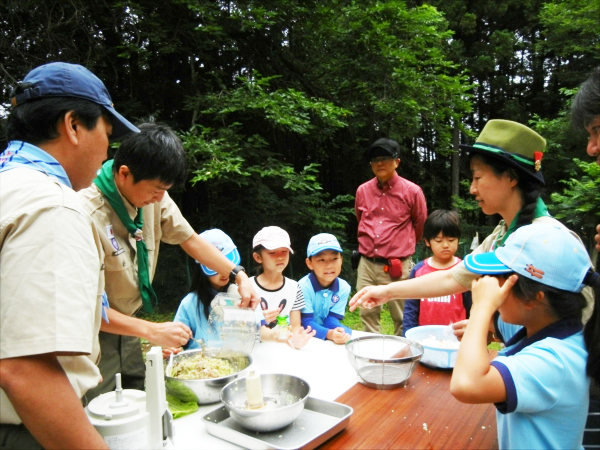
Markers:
point(573, 29)
point(279, 99)
point(237, 168)
point(352, 320)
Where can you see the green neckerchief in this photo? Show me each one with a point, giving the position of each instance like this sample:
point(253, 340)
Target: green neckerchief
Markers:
point(106, 183)
point(540, 211)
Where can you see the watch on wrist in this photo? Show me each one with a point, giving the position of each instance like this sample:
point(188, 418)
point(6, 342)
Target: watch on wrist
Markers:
point(234, 272)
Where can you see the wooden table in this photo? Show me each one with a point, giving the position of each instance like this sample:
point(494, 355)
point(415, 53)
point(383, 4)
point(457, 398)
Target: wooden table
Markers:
point(421, 415)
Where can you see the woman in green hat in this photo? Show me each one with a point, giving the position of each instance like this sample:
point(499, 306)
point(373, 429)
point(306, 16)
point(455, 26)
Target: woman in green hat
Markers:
point(507, 180)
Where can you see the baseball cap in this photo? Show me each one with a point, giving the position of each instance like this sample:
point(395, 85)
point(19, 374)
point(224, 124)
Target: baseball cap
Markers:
point(272, 238)
point(224, 243)
point(512, 143)
point(59, 79)
point(383, 147)
point(320, 242)
point(548, 254)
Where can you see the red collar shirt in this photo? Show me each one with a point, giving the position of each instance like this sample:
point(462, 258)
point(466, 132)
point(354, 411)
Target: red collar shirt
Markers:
point(390, 217)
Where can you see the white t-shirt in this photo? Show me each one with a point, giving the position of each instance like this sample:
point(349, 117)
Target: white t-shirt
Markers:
point(288, 297)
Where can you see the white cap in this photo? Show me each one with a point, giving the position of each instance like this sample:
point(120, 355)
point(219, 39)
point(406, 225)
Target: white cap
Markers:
point(272, 238)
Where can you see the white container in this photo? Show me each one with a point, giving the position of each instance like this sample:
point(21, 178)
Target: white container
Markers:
point(435, 355)
point(232, 330)
point(123, 423)
point(129, 419)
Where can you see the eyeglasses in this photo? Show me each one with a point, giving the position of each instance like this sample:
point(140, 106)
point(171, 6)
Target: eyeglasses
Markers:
point(378, 159)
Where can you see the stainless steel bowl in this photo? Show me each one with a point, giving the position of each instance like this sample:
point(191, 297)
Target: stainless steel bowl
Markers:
point(382, 361)
point(284, 396)
point(202, 391)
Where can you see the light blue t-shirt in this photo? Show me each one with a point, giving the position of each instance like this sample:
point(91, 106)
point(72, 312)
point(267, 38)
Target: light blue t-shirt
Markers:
point(324, 307)
point(546, 387)
point(191, 313)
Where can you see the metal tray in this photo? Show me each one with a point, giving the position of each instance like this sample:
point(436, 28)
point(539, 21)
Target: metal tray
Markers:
point(319, 421)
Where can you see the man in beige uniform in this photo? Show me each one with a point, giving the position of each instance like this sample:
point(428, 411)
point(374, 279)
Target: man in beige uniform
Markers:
point(50, 307)
point(138, 178)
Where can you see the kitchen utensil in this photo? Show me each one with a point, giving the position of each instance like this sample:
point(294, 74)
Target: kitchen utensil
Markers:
point(232, 330)
point(383, 361)
point(319, 421)
point(440, 346)
point(284, 397)
point(202, 391)
point(132, 419)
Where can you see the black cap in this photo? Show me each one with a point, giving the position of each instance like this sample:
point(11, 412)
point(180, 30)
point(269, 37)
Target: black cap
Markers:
point(383, 147)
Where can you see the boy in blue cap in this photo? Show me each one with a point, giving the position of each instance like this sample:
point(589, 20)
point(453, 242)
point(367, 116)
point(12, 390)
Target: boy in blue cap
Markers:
point(325, 294)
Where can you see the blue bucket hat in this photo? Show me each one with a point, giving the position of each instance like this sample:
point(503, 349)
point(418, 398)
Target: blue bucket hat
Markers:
point(547, 254)
point(224, 243)
point(322, 241)
point(59, 79)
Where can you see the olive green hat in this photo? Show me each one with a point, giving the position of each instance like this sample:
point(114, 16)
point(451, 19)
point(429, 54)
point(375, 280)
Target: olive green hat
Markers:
point(512, 143)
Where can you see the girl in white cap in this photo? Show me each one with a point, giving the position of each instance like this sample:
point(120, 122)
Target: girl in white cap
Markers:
point(280, 296)
point(533, 302)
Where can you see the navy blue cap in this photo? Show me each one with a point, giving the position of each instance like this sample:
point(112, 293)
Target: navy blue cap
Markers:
point(60, 79)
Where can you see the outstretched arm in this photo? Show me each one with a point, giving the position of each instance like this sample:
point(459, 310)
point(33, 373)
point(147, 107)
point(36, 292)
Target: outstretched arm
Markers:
point(436, 284)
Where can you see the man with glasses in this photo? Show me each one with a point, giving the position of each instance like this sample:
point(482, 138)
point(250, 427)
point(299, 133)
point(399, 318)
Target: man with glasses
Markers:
point(391, 213)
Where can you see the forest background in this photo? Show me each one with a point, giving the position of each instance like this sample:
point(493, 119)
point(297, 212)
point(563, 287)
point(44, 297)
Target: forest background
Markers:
point(276, 101)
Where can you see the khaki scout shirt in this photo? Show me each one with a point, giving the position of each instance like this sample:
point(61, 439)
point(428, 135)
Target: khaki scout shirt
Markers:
point(49, 278)
point(162, 222)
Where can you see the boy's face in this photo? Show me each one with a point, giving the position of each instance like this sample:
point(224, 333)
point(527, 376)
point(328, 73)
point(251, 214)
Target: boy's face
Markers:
point(443, 247)
point(139, 193)
point(326, 265)
point(273, 260)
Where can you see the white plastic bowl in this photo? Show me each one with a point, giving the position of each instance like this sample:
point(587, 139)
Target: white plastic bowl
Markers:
point(434, 356)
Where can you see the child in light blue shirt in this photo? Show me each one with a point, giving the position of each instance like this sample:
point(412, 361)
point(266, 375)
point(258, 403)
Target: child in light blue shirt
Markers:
point(325, 294)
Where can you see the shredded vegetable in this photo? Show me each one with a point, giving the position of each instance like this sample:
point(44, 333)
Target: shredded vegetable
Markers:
point(200, 367)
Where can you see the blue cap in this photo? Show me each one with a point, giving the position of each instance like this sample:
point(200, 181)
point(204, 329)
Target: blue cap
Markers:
point(548, 254)
point(60, 79)
point(322, 241)
point(224, 243)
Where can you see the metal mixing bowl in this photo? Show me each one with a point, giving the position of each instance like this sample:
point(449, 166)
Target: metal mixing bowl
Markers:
point(382, 361)
point(284, 396)
point(202, 391)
